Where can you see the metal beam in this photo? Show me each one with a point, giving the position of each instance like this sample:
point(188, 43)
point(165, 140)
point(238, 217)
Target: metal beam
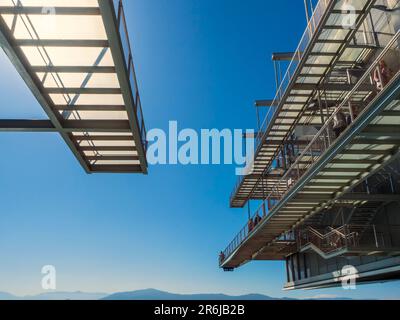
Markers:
point(323, 54)
point(284, 56)
point(107, 11)
point(61, 43)
point(112, 158)
point(89, 108)
point(16, 10)
point(310, 75)
point(27, 126)
point(364, 151)
point(67, 126)
point(101, 138)
point(327, 184)
point(390, 113)
point(367, 197)
point(337, 170)
point(357, 161)
point(331, 87)
point(312, 197)
point(72, 69)
point(83, 90)
point(379, 131)
point(337, 27)
point(316, 65)
point(96, 126)
point(116, 168)
point(370, 141)
point(329, 41)
point(346, 12)
point(108, 148)
point(266, 103)
point(335, 177)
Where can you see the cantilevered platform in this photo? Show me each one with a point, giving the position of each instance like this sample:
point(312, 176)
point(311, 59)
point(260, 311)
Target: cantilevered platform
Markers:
point(322, 178)
point(333, 125)
point(75, 57)
point(321, 63)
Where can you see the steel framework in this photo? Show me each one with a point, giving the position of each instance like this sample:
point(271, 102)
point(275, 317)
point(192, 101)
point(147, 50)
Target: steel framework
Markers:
point(81, 72)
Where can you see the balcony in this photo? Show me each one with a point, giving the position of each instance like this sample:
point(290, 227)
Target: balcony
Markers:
point(325, 48)
point(334, 161)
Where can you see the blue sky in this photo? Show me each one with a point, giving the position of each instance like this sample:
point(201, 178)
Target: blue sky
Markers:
point(201, 63)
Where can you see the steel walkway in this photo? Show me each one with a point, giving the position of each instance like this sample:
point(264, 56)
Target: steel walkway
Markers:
point(76, 59)
point(326, 49)
point(329, 168)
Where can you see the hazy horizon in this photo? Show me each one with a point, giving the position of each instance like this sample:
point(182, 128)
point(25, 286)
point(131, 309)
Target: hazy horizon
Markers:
point(151, 293)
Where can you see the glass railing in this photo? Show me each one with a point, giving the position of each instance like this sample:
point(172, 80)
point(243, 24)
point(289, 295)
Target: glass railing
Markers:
point(126, 45)
point(298, 55)
point(373, 78)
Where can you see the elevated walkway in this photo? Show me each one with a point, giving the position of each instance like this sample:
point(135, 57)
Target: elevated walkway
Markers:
point(76, 59)
point(330, 167)
point(327, 52)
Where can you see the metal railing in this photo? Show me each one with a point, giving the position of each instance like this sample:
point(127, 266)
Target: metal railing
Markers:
point(244, 233)
point(351, 237)
point(323, 140)
point(334, 240)
point(298, 55)
point(123, 31)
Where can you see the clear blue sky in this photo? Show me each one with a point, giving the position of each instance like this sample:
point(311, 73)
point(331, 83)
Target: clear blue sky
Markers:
point(200, 62)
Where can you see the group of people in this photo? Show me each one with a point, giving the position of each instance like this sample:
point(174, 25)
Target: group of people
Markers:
point(381, 78)
point(252, 224)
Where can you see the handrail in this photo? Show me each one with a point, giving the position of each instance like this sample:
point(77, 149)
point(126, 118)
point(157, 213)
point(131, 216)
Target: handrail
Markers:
point(239, 239)
point(330, 233)
point(312, 26)
point(121, 21)
point(337, 232)
point(355, 237)
point(324, 240)
point(317, 233)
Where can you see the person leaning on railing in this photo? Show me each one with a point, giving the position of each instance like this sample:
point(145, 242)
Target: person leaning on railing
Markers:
point(339, 123)
point(382, 75)
point(257, 219)
point(250, 225)
point(221, 257)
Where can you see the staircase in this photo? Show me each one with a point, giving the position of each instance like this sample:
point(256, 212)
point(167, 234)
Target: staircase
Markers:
point(329, 245)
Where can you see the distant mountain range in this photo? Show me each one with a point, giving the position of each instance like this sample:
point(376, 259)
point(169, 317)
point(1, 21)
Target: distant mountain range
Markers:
point(55, 296)
point(152, 294)
point(149, 294)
